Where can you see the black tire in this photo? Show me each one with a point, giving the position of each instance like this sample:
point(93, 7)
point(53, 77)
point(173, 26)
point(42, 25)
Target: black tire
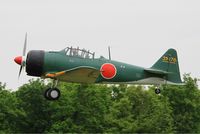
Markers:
point(52, 94)
point(157, 91)
point(46, 94)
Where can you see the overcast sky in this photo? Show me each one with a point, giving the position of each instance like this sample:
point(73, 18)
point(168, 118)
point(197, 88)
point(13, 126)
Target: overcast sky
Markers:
point(138, 31)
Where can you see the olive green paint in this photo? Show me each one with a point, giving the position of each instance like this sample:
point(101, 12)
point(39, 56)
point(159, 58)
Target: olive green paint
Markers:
point(166, 69)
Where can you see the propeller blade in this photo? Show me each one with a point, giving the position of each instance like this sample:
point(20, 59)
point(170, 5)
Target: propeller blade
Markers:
point(20, 71)
point(23, 62)
point(25, 43)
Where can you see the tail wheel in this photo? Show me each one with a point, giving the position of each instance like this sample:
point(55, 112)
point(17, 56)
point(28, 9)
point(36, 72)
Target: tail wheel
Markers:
point(157, 90)
point(52, 94)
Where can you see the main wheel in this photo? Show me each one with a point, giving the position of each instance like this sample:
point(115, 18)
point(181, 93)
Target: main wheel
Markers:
point(157, 91)
point(52, 94)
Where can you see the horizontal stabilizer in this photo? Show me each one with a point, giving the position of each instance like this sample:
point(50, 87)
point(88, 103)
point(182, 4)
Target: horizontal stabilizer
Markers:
point(156, 71)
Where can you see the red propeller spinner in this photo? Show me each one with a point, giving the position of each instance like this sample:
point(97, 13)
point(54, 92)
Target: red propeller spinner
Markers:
point(18, 60)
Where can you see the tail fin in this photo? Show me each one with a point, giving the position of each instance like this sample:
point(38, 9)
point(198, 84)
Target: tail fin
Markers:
point(169, 63)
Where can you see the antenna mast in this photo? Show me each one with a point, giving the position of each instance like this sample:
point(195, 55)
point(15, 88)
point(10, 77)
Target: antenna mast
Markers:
point(109, 52)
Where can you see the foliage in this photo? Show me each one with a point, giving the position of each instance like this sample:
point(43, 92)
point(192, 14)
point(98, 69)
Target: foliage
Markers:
point(10, 114)
point(140, 111)
point(90, 108)
point(36, 108)
point(186, 107)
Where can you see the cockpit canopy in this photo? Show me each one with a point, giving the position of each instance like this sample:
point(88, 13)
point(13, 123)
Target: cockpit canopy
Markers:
point(77, 52)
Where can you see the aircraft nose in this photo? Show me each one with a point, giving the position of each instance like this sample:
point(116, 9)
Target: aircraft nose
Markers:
point(18, 60)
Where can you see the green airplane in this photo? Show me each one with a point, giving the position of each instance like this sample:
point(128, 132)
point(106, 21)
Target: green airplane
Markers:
point(81, 66)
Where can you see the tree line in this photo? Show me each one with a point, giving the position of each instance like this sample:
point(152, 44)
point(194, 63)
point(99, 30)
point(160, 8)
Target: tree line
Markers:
point(91, 108)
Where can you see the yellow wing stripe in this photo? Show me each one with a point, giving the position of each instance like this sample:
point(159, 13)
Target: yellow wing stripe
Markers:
point(53, 75)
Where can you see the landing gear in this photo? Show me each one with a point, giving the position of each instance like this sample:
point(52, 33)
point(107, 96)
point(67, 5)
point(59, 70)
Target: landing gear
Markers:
point(52, 93)
point(157, 90)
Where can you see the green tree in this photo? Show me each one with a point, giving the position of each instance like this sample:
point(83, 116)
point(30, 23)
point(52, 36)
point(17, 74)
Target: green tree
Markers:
point(186, 107)
point(91, 108)
point(87, 107)
point(64, 110)
point(9, 112)
point(141, 111)
point(37, 110)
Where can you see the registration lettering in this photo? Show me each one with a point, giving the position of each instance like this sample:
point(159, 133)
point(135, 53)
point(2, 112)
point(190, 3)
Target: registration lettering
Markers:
point(167, 59)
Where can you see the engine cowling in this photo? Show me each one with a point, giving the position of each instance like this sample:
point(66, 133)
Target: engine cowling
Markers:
point(35, 63)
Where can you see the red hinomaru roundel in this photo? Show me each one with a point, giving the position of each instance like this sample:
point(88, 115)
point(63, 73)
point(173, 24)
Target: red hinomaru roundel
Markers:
point(108, 71)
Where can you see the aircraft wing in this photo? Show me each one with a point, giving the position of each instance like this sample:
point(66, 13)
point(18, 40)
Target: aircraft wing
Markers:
point(82, 74)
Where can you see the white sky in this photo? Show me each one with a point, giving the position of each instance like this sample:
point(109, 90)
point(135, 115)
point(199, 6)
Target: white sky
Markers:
point(138, 31)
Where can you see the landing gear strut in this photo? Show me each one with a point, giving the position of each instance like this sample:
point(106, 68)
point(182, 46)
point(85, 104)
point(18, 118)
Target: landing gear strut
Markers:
point(52, 93)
